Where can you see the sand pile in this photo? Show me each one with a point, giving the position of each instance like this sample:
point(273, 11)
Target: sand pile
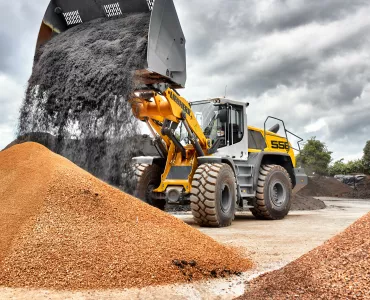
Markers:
point(62, 228)
point(339, 269)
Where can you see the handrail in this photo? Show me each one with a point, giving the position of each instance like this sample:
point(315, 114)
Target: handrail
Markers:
point(286, 131)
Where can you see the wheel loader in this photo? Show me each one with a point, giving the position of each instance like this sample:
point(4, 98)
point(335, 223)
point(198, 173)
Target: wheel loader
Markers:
point(207, 154)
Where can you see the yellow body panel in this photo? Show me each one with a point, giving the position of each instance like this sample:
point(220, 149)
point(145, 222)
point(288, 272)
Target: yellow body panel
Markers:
point(282, 145)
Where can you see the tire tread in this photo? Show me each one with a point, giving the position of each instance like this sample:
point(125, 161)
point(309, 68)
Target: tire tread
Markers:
point(203, 198)
point(260, 210)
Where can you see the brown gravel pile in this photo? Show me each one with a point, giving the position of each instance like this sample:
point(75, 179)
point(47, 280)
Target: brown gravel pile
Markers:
point(23, 177)
point(339, 269)
point(317, 186)
point(64, 229)
point(321, 186)
point(300, 202)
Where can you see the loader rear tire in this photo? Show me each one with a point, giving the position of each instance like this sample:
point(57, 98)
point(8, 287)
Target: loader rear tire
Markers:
point(148, 178)
point(274, 191)
point(213, 195)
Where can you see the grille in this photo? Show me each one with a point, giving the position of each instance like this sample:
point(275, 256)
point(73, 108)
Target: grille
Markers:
point(113, 10)
point(150, 3)
point(72, 17)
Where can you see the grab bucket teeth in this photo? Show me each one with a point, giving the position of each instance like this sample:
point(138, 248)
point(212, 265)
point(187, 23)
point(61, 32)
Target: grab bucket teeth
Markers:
point(166, 55)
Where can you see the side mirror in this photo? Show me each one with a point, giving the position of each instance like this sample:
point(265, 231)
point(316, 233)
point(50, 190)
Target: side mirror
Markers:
point(222, 115)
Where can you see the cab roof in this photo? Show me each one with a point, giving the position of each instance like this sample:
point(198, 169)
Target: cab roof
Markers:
point(221, 101)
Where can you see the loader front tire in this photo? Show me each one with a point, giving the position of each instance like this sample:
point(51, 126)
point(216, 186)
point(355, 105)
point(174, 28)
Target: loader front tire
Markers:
point(213, 195)
point(148, 178)
point(273, 195)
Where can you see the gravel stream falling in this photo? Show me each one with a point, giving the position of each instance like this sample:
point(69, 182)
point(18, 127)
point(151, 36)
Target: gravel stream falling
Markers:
point(78, 92)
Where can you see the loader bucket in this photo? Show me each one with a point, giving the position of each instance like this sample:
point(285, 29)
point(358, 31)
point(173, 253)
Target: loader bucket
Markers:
point(166, 55)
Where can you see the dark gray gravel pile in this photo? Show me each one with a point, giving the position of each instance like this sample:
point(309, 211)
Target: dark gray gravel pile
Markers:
point(361, 191)
point(78, 92)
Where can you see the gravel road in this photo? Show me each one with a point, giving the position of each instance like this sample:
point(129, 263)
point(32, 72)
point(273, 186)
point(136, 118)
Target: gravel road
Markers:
point(270, 244)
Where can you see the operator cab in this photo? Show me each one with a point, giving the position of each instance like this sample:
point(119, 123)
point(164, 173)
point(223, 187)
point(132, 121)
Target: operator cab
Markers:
point(223, 121)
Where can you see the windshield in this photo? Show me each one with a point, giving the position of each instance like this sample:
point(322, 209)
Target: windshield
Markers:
point(208, 117)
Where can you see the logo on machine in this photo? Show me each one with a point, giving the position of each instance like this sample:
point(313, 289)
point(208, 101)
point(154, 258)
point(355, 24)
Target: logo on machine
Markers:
point(180, 103)
point(280, 145)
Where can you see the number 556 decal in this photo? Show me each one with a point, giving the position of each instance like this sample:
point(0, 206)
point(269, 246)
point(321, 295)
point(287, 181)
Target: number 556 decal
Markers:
point(279, 145)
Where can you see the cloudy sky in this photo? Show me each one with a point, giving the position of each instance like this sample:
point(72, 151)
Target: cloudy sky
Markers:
point(307, 62)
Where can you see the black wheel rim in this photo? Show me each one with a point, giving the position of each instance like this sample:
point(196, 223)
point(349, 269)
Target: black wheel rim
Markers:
point(277, 193)
point(225, 198)
point(148, 193)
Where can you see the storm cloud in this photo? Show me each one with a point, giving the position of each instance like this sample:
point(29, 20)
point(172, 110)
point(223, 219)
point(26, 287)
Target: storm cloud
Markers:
point(306, 62)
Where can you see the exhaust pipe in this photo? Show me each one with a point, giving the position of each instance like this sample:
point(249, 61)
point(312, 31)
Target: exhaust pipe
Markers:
point(166, 55)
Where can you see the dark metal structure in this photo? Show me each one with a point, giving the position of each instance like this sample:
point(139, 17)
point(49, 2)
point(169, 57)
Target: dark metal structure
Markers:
point(166, 57)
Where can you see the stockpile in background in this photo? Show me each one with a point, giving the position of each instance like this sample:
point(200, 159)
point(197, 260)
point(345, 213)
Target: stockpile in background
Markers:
point(318, 186)
point(361, 190)
point(321, 186)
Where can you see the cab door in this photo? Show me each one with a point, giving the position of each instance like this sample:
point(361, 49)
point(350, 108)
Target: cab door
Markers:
point(236, 141)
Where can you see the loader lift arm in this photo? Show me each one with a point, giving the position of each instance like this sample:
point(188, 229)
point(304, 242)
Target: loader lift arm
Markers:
point(163, 109)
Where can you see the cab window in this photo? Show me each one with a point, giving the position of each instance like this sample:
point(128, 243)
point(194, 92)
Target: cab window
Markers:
point(236, 128)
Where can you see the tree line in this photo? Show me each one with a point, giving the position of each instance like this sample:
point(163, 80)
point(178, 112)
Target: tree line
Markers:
point(317, 159)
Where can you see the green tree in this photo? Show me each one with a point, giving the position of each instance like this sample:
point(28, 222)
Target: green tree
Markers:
point(351, 167)
point(355, 166)
point(339, 167)
point(366, 158)
point(315, 157)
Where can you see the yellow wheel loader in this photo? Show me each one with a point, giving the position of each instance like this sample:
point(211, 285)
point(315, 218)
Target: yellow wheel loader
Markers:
point(207, 155)
point(211, 159)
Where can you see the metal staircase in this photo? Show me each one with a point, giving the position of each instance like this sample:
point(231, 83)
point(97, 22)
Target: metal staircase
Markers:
point(245, 179)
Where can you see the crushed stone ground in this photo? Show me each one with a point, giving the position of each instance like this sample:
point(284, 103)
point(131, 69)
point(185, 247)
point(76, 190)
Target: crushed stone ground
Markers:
point(84, 234)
